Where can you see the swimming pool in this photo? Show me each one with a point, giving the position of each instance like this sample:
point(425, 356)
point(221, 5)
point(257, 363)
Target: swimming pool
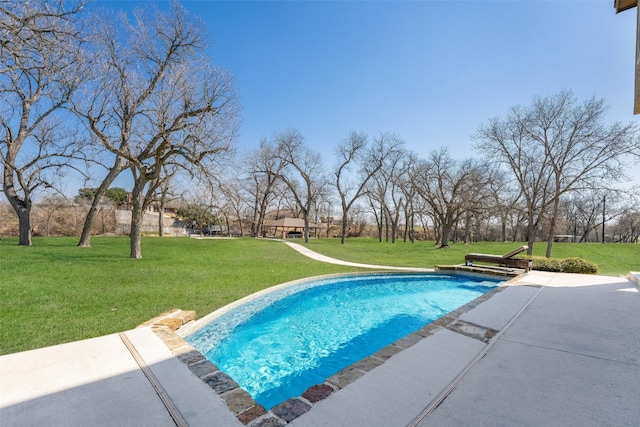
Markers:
point(278, 345)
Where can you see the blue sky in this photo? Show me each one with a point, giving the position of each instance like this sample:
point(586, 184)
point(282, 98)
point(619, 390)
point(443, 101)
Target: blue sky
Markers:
point(429, 71)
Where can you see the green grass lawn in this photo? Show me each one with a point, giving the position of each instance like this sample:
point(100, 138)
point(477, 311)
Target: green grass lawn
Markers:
point(55, 292)
point(612, 259)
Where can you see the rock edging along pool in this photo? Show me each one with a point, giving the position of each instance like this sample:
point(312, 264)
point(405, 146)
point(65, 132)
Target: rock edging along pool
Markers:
point(277, 345)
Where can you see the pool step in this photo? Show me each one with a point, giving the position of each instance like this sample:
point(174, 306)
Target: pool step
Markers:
point(482, 269)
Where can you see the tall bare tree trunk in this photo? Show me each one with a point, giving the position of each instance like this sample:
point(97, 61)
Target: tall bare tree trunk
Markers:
point(305, 214)
point(21, 206)
point(261, 216)
point(161, 219)
point(137, 216)
point(394, 226)
point(444, 238)
point(467, 229)
point(343, 232)
point(85, 236)
point(552, 226)
point(24, 221)
point(530, 233)
point(380, 223)
point(136, 233)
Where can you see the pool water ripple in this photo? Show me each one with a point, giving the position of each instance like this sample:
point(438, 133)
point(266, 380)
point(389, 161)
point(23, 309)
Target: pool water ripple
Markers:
point(277, 346)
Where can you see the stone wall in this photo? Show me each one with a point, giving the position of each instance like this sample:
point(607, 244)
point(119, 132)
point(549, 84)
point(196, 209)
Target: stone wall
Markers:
point(149, 224)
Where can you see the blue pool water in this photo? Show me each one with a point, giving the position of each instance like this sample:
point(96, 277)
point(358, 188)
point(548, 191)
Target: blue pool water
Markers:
point(280, 344)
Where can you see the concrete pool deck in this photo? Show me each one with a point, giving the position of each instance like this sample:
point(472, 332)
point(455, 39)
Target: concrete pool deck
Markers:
point(566, 352)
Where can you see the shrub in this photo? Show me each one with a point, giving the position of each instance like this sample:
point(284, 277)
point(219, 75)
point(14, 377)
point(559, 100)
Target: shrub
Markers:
point(546, 264)
point(567, 265)
point(579, 265)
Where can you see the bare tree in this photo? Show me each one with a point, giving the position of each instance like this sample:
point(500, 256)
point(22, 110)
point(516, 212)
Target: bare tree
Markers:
point(235, 204)
point(164, 192)
point(375, 198)
point(384, 190)
point(303, 172)
point(450, 187)
point(530, 165)
point(420, 212)
point(586, 212)
point(165, 103)
point(408, 189)
point(504, 199)
point(50, 207)
point(557, 145)
point(263, 167)
point(583, 210)
point(400, 191)
point(627, 228)
point(40, 67)
point(355, 153)
point(226, 201)
point(350, 151)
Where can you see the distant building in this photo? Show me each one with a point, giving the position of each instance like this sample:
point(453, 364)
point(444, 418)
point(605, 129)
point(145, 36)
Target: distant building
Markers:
point(289, 228)
point(621, 6)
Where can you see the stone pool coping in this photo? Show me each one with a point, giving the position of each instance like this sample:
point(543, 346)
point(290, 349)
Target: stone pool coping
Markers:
point(250, 413)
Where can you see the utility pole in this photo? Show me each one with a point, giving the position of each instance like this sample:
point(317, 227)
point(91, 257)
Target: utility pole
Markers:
point(604, 202)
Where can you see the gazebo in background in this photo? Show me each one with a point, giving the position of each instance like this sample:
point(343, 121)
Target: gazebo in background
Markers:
point(287, 228)
point(621, 6)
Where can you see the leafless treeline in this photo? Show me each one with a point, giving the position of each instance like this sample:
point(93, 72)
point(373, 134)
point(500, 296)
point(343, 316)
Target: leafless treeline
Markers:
point(140, 96)
point(448, 199)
